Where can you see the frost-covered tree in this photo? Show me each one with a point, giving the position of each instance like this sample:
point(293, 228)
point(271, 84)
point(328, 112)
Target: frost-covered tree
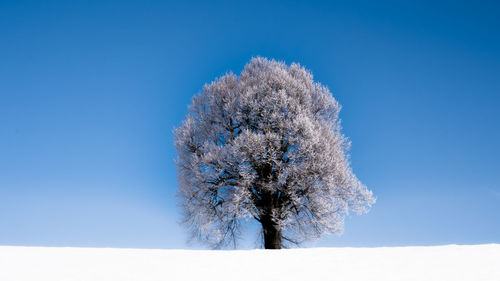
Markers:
point(265, 145)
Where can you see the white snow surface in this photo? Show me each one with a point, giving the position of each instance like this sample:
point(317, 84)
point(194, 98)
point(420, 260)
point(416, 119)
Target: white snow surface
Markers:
point(451, 262)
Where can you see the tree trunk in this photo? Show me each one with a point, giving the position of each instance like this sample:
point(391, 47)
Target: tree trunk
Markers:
point(272, 235)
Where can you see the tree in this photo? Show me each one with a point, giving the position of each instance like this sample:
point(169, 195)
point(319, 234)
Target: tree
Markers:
point(266, 145)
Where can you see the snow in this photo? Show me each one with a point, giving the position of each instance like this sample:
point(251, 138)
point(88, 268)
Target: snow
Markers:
point(451, 262)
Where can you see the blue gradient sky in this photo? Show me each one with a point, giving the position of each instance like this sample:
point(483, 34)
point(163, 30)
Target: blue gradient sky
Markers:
point(90, 93)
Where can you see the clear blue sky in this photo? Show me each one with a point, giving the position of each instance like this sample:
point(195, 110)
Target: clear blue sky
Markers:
point(90, 92)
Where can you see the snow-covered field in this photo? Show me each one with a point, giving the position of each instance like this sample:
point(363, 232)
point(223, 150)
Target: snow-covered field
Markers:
point(452, 262)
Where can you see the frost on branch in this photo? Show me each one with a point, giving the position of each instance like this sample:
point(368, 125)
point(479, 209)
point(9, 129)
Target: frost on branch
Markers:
point(265, 145)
